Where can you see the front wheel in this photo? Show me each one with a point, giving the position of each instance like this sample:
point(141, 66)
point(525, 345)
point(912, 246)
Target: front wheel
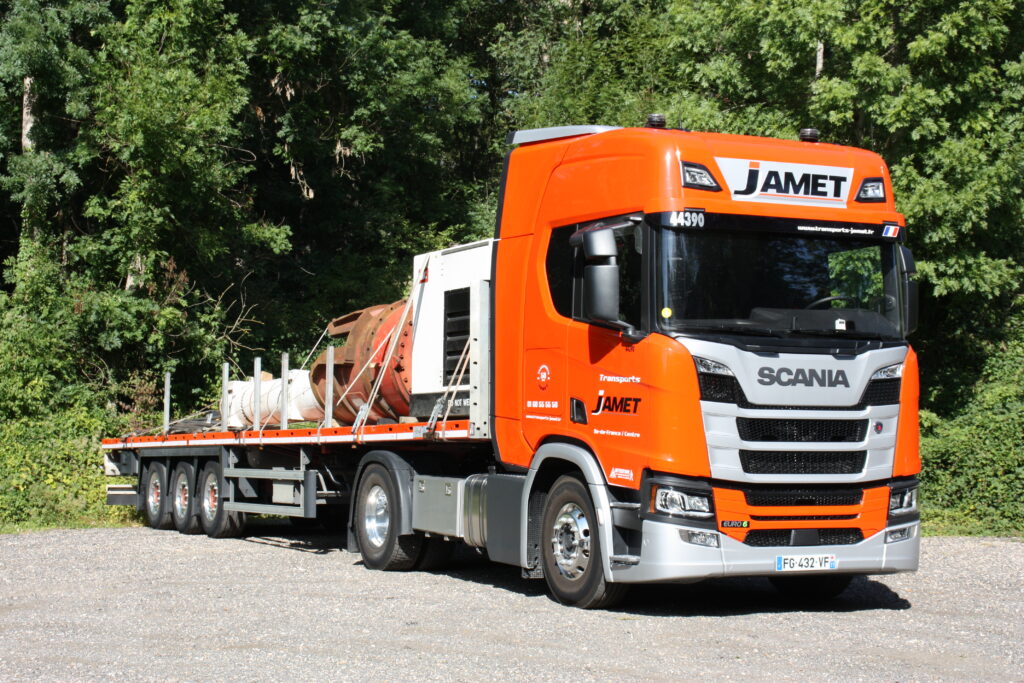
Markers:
point(376, 518)
point(572, 548)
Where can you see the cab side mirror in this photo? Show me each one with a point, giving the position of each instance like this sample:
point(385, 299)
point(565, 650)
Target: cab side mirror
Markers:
point(601, 279)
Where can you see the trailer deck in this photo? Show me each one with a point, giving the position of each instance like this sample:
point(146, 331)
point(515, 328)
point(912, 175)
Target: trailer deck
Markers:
point(414, 431)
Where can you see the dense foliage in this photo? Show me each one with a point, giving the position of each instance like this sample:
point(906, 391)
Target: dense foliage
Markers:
point(188, 180)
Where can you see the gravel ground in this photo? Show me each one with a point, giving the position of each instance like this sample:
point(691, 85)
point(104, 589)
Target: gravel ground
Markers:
point(137, 604)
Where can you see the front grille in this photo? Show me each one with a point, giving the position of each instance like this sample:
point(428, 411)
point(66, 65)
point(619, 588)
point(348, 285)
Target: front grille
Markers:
point(767, 537)
point(803, 496)
point(719, 388)
point(840, 536)
point(803, 462)
point(726, 389)
point(756, 429)
point(803, 537)
point(882, 392)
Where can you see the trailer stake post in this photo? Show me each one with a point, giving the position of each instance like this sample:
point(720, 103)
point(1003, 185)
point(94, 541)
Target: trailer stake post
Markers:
point(329, 391)
point(225, 406)
point(257, 370)
point(285, 382)
point(167, 402)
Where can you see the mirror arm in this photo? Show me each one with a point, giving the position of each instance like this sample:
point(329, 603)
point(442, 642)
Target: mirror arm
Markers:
point(630, 334)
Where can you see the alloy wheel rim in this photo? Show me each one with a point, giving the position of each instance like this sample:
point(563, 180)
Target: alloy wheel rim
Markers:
point(377, 516)
point(570, 541)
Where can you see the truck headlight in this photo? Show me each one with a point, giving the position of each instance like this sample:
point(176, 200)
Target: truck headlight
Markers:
point(675, 502)
point(711, 367)
point(902, 501)
point(894, 371)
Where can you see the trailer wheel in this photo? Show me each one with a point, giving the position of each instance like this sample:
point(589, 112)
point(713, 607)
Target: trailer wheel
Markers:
point(572, 548)
point(813, 588)
point(183, 499)
point(158, 509)
point(377, 513)
point(216, 521)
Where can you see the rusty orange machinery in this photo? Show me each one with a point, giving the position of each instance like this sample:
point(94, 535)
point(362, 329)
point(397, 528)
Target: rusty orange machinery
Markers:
point(367, 334)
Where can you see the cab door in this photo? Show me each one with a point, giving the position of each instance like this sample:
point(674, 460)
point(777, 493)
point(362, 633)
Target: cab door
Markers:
point(608, 388)
point(545, 326)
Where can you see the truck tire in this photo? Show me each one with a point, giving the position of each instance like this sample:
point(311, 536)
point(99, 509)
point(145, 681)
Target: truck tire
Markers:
point(216, 521)
point(158, 509)
point(813, 588)
point(183, 499)
point(571, 548)
point(376, 517)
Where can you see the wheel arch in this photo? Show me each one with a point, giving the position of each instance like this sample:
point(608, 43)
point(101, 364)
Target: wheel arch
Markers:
point(551, 461)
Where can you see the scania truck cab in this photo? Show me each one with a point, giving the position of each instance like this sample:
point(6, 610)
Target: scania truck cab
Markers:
point(720, 322)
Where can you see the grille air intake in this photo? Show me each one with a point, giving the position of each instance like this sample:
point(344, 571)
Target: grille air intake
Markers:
point(803, 537)
point(755, 429)
point(456, 330)
point(803, 462)
point(803, 496)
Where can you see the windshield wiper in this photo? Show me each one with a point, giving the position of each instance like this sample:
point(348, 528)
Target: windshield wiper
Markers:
point(846, 334)
point(737, 329)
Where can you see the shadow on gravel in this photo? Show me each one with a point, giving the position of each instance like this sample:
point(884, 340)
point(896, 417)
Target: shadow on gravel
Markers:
point(281, 533)
point(739, 596)
point(712, 598)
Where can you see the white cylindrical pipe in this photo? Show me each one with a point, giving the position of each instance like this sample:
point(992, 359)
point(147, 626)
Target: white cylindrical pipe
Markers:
point(302, 403)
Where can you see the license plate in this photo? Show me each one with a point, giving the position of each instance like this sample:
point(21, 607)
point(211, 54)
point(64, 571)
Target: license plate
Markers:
point(804, 563)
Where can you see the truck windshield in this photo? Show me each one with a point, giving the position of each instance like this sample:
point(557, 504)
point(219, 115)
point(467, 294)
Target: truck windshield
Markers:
point(773, 284)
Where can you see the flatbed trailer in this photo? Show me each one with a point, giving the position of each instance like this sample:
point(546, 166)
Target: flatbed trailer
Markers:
point(127, 455)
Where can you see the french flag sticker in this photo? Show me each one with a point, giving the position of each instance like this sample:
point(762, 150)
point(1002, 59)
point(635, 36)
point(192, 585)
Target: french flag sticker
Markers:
point(891, 231)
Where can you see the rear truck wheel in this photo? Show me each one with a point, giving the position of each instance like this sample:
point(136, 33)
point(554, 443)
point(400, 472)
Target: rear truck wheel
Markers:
point(572, 548)
point(376, 519)
point(183, 499)
point(813, 588)
point(216, 521)
point(158, 509)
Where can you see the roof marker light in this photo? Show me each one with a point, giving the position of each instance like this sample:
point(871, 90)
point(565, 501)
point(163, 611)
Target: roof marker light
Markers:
point(698, 177)
point(871, 190)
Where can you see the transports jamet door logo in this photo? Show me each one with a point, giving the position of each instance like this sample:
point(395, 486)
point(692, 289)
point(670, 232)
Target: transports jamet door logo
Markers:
point(779, 182)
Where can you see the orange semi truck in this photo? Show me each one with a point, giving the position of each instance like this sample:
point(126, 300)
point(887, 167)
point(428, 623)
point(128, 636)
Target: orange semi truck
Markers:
point(683, 355)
